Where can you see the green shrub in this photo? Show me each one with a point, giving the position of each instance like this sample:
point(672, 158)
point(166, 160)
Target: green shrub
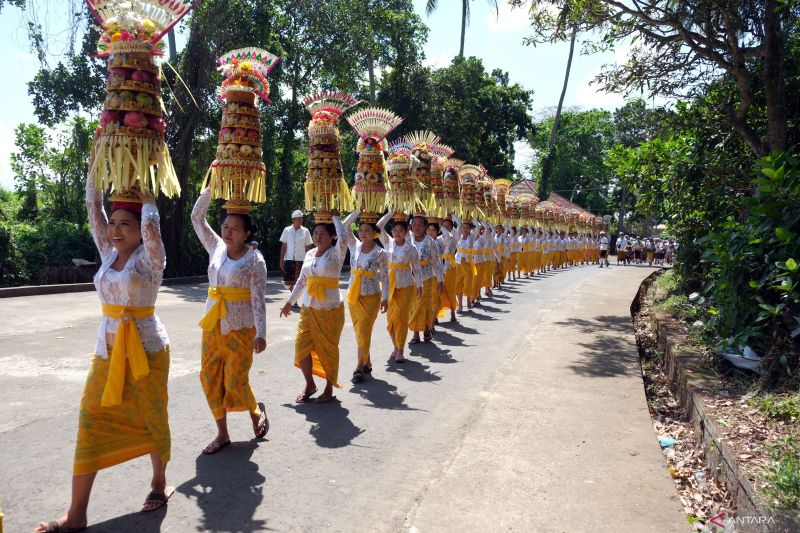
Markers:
point(780, 406)
point(783, 475)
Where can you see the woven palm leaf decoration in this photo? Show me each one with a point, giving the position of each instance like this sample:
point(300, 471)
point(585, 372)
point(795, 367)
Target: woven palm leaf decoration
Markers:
point(130, 152)
point(469, 176)
point(401, 198)
point(422, 143)
point(451, 185)
point(238, 174)
point(441, 153)
point(372, 125)
point(325, 187)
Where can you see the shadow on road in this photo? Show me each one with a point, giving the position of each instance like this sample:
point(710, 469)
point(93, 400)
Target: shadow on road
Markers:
point(198, 293)
point(381, 394)
point(228, 489)
point(414, 371)
point(133, 522)
point(331, 427)
point(447, 339)
point(432, 352)
point(610, 352)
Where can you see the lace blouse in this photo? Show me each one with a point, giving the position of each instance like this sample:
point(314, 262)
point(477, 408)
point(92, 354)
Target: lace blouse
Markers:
point(375, 261)
point(249, 271)
point(447, 246)
point(467, 244)
point(328, 265)
point(405, 254)
point(429, 253)
point(136, 285)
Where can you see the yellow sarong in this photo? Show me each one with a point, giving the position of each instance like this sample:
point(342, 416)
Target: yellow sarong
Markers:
point(393, 268)
point(316, 285)
point(355, 288)
point(398, 314)
point(225, 371)
point(127, 346)
point(363, 314)
point(136, 426)
point(219, 310)
point(318, 333)
point(421, 310)
point(448, 298)
point(468, 277)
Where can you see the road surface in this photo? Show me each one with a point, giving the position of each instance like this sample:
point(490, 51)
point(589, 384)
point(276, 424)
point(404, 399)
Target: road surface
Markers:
point(529, 415)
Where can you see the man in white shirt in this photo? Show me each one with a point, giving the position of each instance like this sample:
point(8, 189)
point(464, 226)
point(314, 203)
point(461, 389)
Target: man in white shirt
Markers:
point(622, 243)
point(603, 249)
point(295, 242)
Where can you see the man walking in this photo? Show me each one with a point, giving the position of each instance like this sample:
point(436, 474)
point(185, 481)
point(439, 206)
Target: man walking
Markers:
point(295, 242)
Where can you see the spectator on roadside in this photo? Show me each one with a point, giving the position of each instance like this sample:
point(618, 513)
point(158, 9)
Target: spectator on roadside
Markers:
point(295, 242)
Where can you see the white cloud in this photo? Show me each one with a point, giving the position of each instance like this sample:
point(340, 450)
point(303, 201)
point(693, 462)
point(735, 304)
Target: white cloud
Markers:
point(523, 155)
point(509, 19)
point(591, 96)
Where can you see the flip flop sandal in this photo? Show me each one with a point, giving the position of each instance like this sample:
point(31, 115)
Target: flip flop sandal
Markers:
point(400, 361)
point(428, 338)
point(325, 398)
point(414, 341)
point(158, 498)
point(54, 526)
point(358, 376)
point(306, 396)
point(368, 369)
point(263, 422)
point(214, 446)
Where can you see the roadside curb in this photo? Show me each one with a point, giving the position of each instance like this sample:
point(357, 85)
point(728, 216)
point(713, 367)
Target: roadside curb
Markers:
point(686, 373)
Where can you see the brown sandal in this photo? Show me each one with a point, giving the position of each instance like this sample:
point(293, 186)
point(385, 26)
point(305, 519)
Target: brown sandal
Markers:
point(263, 422)
point(214, 446)
point(158, 498)
point(325, 398)
point(306, 396)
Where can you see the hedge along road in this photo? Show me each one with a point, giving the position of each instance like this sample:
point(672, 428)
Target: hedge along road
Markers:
point(529, 415)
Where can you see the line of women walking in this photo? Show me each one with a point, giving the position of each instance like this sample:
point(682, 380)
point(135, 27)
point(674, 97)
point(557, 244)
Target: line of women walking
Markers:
point(416, 273)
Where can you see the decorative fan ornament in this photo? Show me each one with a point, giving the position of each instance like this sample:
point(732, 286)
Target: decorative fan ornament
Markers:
point(422, 143)
point(401, 198)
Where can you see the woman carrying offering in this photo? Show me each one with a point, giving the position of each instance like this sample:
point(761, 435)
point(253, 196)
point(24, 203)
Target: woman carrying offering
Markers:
point(368, 291)
point(448, 242)
point(123, 413)
point(316, 348)
point(465, 250)
point(422, 314)
point(234, 322)
point(404, 275)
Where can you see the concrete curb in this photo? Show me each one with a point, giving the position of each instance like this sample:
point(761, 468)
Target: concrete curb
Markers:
point(687, 372)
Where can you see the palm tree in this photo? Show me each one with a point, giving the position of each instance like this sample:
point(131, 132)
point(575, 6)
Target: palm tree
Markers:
point(431, 5)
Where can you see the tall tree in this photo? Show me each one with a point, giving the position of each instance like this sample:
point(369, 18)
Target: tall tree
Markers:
point(677, 47)
point(431, 5)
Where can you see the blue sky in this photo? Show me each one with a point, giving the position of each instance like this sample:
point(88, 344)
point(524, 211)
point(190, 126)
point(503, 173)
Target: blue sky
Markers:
point(498, 41)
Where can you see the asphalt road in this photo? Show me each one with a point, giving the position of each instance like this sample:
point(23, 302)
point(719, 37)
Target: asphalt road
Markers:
point(528, 415)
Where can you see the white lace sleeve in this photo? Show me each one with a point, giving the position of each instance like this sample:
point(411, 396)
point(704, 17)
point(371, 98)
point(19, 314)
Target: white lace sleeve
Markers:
point(258, 284)
point(208, 238)
point(436, 263)
point(416, 267)
point(383, 274)
point(352, 240)
point(341, 239)
point(383, 234)
point(456, 220)
point(151, 236)
point(98, 220)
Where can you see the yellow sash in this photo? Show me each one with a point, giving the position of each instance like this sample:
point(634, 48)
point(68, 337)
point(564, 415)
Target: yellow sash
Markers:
point(219, 310)
point(425, 262)
point(393, 268)
point(127, 345)
point(316, 285)
point(355, 287)
point(451, 258)
point(470, 253)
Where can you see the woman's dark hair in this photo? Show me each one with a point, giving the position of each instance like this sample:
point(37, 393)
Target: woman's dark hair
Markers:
point(247, 223)
point(401, 223)
point(372, 225)
point(329, 228)
point(424, 220)
point(136, 214)
point(434, 226)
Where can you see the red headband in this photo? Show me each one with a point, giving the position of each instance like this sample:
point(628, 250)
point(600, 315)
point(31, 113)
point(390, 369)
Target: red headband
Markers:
point(127, 206)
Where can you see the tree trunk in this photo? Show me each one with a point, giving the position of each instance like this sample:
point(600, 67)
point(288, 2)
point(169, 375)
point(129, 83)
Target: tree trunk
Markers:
point(372, 89)
point(623, 201)
point(774, 77)
point(464, 10)
point(173, 49)
point(547, 165)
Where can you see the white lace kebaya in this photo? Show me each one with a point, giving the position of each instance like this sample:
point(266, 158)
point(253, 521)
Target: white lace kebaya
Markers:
point(403, 255)
point(328, 265)
point(249, 271)
point(136, 285)
point(376, 261)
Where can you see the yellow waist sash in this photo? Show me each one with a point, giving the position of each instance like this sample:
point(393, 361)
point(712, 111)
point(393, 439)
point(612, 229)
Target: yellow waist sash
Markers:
point(469, 252)
point(425, 262)
point(355, 287)
point(127, 345)
point(316, 285)
point(219, 310)
point(393, 268)
point(451, 258)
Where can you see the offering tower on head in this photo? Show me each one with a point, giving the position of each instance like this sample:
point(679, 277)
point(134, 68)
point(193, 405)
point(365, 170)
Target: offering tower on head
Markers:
point(325, 188)
point(130, 153)
point(372, 125)
point(238, 174)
